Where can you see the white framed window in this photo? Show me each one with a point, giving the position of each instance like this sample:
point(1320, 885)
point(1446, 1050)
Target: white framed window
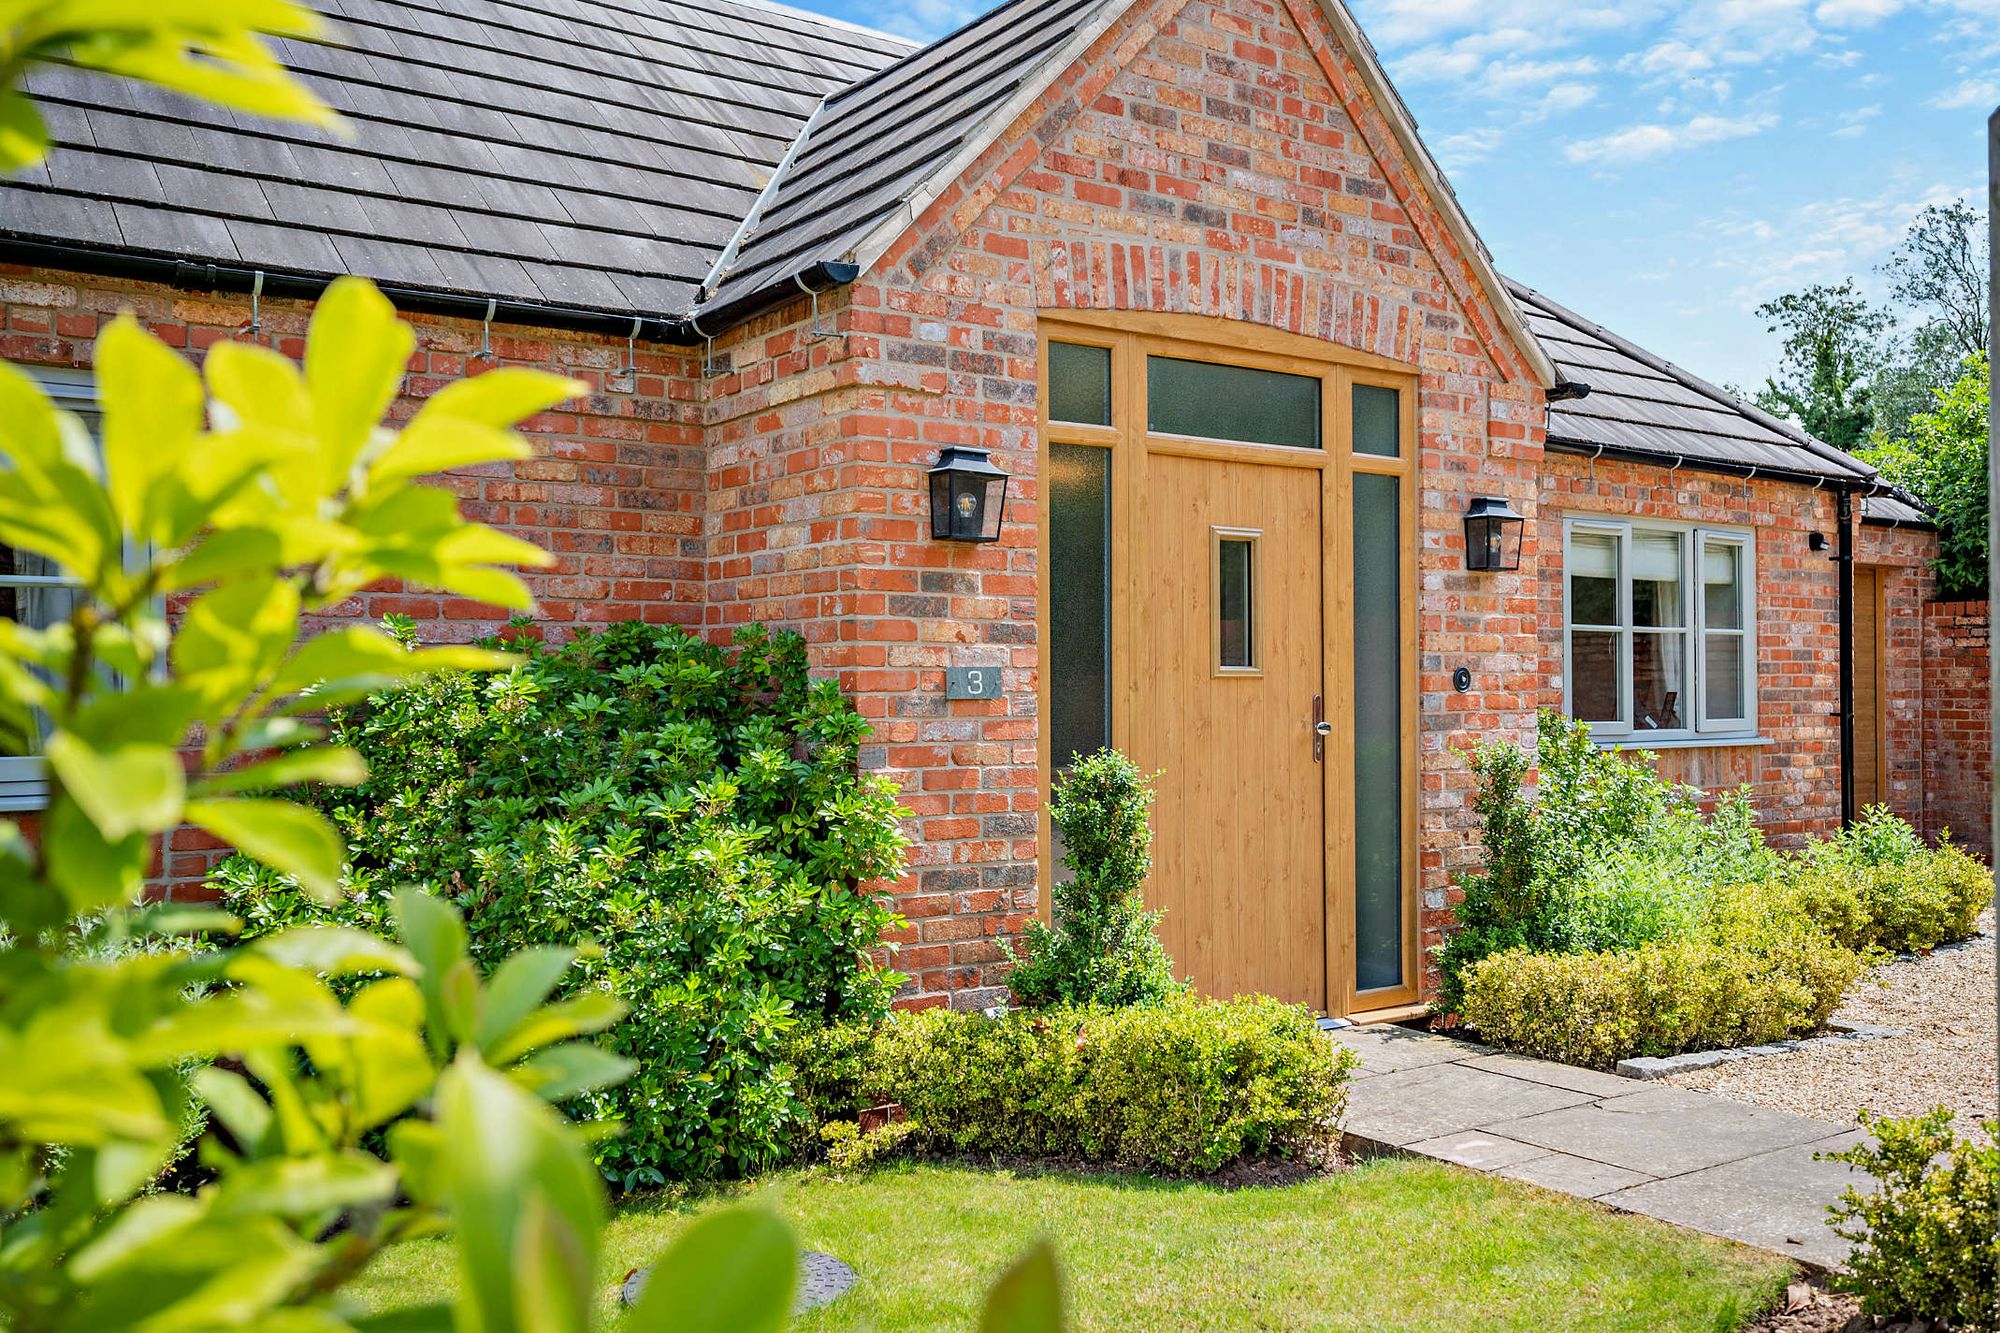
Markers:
point(34, 592)
point(1659, 629)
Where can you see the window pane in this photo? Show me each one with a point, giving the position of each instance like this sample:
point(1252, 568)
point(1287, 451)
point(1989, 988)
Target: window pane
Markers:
point(1378, 733)
point(1722, 676)
point(1080, 601)
point(1593, 676)
point(1593, 579)
point(1721, 586)
point(1080, 384)
point(1378, 421)
point(1656, 579)
point(1659, 698)
point(27, 564)
point(1231, 403)
point(1235, 634)
point(37, 606)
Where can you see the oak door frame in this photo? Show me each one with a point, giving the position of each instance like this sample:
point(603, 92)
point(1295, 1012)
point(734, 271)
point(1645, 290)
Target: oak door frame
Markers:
point(1129, 336)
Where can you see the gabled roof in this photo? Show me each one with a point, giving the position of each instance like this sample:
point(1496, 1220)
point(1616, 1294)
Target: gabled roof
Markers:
point(1642, 406)
point(587, 154)
point(882, 150)
point(877, 141)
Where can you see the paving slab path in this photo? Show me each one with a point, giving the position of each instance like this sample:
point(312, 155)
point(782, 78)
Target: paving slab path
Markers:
point(1745, 1172)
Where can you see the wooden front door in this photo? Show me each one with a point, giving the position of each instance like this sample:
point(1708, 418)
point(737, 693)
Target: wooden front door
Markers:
point(1229, 666)
point(1228, 593)
point(1868, 784)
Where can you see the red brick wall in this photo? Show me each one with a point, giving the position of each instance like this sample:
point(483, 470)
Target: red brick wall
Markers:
point(1957, 718)
point(615, 491)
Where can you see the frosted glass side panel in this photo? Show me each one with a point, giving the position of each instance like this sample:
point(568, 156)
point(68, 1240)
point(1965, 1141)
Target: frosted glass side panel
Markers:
point(1378, 733)
point(1079, 483)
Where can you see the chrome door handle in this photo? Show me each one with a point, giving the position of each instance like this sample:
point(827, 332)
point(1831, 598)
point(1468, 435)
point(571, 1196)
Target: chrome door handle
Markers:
point(1322, 728)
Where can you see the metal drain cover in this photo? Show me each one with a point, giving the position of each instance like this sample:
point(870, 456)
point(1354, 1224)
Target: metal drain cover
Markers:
point(822, 1278)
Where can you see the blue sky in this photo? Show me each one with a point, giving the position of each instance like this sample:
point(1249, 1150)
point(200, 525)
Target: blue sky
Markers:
point(1664, 167)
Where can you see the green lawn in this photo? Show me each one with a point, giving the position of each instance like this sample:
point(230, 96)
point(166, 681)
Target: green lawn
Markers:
point(1391, 1245)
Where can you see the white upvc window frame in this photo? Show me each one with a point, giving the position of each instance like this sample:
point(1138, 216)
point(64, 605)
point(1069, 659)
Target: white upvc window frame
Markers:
point(1695, 541)
point(23, 779)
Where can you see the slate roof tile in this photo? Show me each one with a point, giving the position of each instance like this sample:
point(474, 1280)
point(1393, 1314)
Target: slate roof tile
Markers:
point(589, 153)
point(1638, 401)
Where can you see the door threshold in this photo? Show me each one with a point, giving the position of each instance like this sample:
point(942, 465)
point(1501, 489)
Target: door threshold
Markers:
point(1394, 1014)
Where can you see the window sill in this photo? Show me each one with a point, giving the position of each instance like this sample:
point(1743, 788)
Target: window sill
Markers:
point(1639, 742)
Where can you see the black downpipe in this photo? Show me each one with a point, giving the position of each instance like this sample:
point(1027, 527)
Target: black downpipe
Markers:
point(1844, 561)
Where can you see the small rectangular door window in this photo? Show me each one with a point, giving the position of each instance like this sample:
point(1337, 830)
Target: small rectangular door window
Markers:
point(1235, 601)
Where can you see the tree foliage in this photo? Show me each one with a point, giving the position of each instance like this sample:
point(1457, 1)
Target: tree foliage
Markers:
point(1831, 345)
point(1942, 458)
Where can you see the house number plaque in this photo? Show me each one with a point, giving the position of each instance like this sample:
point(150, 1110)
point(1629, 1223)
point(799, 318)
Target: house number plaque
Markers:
point(975, 682)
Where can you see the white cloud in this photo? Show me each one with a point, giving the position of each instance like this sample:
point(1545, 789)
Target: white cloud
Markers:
point(1982, 93)
point(1565, 97)
point(1822, 241)
point(1410, 23)
point(1855, 13)
point(1854, 123)
point(1674, 58)
point(1456, 151)
point(1637, 143)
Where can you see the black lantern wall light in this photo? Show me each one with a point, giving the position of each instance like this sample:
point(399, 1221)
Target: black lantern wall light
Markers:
point(968, 495)
point(1492, 535)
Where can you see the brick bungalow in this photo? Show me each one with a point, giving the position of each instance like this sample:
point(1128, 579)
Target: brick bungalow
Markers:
point(1186, 273)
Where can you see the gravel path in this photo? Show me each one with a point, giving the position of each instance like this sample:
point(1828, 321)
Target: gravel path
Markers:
point(1944, 1004)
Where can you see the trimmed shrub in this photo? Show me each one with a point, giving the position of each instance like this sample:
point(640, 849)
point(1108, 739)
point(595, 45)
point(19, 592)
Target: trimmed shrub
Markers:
point(694, 814)
point(1925, 1242)
point(1105, 946)
point(1186, 1086)
point(1595, 1009)
point(1875, 885)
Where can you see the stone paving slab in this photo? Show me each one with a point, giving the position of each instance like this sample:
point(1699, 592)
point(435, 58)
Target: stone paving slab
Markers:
point(1775, 1200)
point(1482, 1152)
point(1664, 1131)
point(1747, 1173)
point(1592, 1081)
point(1388, 1049)
point(1579, 1176)
point(1434, 1100)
